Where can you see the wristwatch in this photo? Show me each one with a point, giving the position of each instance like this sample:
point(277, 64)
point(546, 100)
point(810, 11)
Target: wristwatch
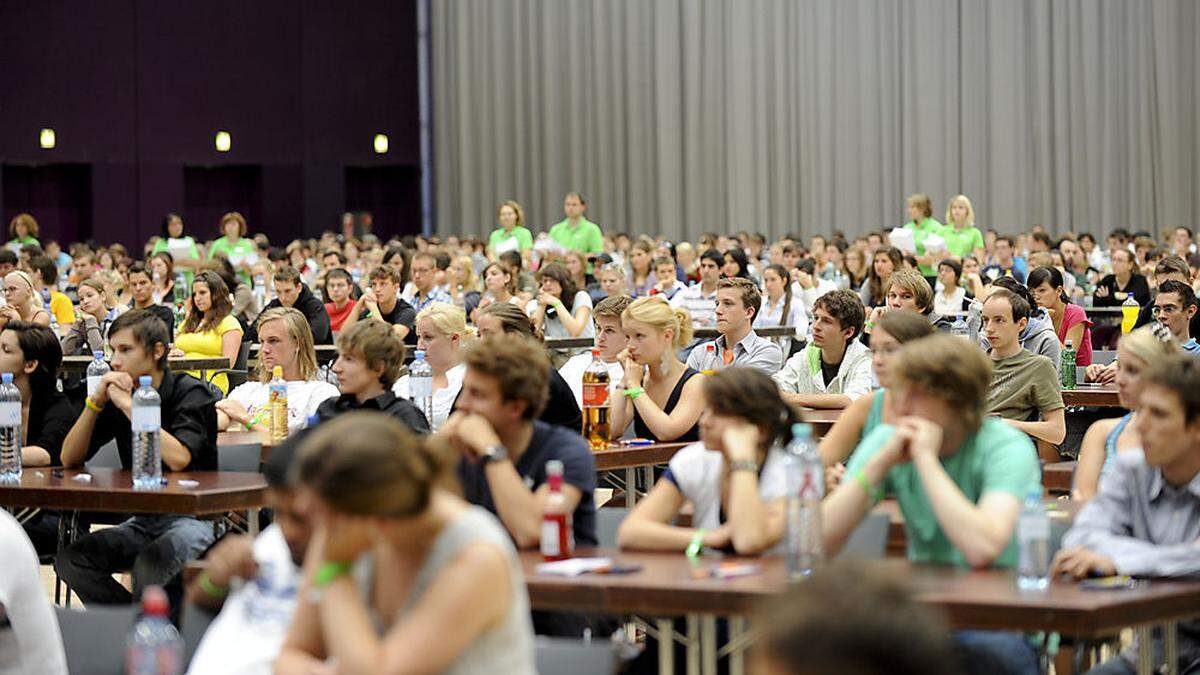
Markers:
point(494, 453)
point(747, 465)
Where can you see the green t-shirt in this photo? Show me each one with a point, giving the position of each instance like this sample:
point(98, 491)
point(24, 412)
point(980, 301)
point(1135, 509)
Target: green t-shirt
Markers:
point(1024, 385)
point(21, 243)
point(524, 239)
point(998, 458)
point(961, 242)
point(920, 232)
point(243, 251)
point(182, 248)
point(584, 237)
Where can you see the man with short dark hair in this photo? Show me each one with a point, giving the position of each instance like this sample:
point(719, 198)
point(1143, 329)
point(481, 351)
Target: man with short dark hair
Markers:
point(141, 287)
point(1025, 386)
point(700, 299)
point(382, 302)
point(290, 291)
point(610, 341)
point(1174, 307)
point(425, 290)
point(8, 261)
point(154, 547)
point(738, 302)
point(1004, 264)
point(338, 286)
point(835, 368)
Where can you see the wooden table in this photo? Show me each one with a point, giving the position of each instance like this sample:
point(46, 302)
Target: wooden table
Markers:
point(228, 439)
point(78, 364)
point(1092, 396)
point(821, 420)
point(631, 459)
point(1059, 477)
point(980, 599)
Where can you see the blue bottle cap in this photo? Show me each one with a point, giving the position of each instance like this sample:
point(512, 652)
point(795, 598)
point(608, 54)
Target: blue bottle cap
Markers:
point(420, 354)
point(6, 378)
point(144, 381)
point(800, 429)
point(98, 355)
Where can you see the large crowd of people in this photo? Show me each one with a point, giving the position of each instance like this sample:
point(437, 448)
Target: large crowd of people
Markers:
point(395, 528)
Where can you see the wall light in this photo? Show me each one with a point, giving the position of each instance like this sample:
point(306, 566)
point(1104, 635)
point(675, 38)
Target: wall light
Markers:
point(381, 143)
point(46, 139)
point(223, 142)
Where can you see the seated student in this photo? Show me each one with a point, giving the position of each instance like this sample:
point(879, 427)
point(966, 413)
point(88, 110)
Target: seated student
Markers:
point(338, 286)
point(780, 307)
point(951, 296)
point(382, 303)
point(425, 287)
point(286, 341)
point(868, 412)
point(30, 640)
point(1108, 438)
point(141, 288)
point(441, 334)
point(1145, 519)
point(1003, 263)
point(660, 395)
point(700, 299)
point(89, 332)
point(501, 318)
point(560, 310)
point(44, 272)
point(735, 478)
point(1174, 307)
point(610, 340)
point(1070, 321)
point(1038, 336)
point(252, 617)
point(32, 354)
point(835, 368)
point(22, 301)
point(155, 547)
point(290, 291)
point(402, 575)
point(959, 476)
point(907, 289)
point(210, 329)
point(667, 281)
point(738, 302)
point(1025, 387)
point(369, 358)
point(1125, 281)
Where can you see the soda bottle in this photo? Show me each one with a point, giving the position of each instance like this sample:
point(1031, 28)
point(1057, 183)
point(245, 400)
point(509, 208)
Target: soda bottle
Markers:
point(805, 548)
point(1067, 371)
point(557, 539)
point(97, 369)
point(710, 359)
point(1129, 314)
point(420, 386)
point(146, 421)
point(154, 646)
point(596, 407)
point(1033, 542)
point(10, 430)
point(278, 402)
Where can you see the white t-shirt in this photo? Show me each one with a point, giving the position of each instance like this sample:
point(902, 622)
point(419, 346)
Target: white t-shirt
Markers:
point(554, 328)
point(30, 641)
point(572, 372)
point(948, 306)
point(303, 399)
point(443, 399)
point(247, 635)
point(696, 471)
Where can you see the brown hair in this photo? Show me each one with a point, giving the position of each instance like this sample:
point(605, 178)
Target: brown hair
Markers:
point(559, 272)
point(912, 281)
point(747, 290)
point(511, 286)
point(287, 273)
point(846, 307)
point(221, 305)
point(750, 394)
point(611, 307)
point(386, 271)
point(378, 345)
point(512, 319)
point(905, 325)
point(875, 285)
point(518, 364)
point(29, 222)
point(947, 368)
point(1181, 375)
point(236, 217)
point(516, 209)
point(923, 202)
point(299, 330)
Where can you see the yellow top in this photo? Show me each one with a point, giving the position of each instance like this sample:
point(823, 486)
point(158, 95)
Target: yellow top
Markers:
point(207, 344)
point(61, 306)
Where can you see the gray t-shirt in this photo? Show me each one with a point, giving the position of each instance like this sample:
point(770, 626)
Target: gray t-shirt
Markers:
point(1024, 386)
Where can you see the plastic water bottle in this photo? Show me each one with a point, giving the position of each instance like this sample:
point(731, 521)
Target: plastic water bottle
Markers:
point(277, 399)
point(960, 327)
point(1067, 371)
point(146, 423)
point(10, 430)
point(260, 291)
point(1033, 540)
point(154, 646)
point(180, 289)
point(806, 487)
point(97, 369)
point(420, 386)
point(49, 309)
point(974, 320)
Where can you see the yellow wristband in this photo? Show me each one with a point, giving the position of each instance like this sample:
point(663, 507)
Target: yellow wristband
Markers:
point(87, 401)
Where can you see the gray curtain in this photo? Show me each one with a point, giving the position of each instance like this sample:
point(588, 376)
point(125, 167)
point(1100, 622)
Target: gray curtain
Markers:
point(679, 116)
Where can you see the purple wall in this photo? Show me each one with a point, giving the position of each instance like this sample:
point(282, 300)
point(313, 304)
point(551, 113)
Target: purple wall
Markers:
point(137, 90)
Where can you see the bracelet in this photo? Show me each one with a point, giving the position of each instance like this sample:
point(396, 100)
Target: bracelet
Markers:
point(253, 421)
point(743, 465)
point(875, 493)
point(213, 590)
point(868, 326)
point(696, 544)
point(87, 401)
point(634, 392)
point(329, 571)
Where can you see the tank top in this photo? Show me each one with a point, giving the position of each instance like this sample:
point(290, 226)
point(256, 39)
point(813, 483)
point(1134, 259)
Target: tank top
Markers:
point(1110, 442)
point(506, 647)
point(875, 414)
point(692, 435)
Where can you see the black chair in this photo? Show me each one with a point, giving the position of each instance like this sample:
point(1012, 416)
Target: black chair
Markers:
point(94, 639)
point(240, 371)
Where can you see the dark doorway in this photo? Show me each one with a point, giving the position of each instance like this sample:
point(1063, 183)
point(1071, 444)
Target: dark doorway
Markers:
point(59, 196)
point(391, 194)
point(210, 192)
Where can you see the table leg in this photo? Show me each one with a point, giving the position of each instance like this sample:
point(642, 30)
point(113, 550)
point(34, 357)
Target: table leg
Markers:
point(630, 487)
point(252, 521)
point(708, 644)
point(648, 476)
point(666, 646)
point(1171, 647)
point(737, 653)
point(1145, 651)
point(693, 644)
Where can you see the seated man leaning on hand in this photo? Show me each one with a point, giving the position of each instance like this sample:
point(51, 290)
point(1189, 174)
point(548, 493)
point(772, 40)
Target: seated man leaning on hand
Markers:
point(835, 368)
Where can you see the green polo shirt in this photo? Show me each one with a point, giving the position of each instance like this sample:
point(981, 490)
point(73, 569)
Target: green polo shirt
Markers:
point(920, 232)
point(521, 234)
point(237, 253)
point(960, 242)
point(998, 458)
point(584, 237)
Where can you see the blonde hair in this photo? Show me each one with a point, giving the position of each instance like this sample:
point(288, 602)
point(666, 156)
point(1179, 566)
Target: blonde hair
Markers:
point(1148, 345)
point(656, 312)
point(299, 330)
point(29, 282)
point(922, 202)
point(448, 319)
point(961, 199)
point(516, 209)
point(471, 283)
point(949, 368)
point(913, 282)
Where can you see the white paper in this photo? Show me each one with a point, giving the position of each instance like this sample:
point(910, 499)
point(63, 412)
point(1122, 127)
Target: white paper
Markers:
point(573, 567)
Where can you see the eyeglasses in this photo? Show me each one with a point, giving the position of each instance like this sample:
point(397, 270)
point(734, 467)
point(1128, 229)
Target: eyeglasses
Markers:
point(1164, 309)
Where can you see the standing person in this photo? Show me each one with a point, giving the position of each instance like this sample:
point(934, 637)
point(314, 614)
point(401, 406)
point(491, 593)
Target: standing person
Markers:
point(610, 340)
point(22, 231)
point(575, 232)
point(1125, 281)
point(401, 573)
point(382, 302)
point(512, 235)
point(23, 301)
point(291, 291)
point(44, 274)
point(338, 284)
point(180, 246)
point(884, 263)
point(234, 246)
point(780, 307)
point(287, 342)
point(700, 299)
point(141, 289)
point(210, 330)
point(155, 547)
point(1070, 320)
point(442, 334)
point(560, 310)
point(835, 368)
point(738, 302)
point(32, 354)
point(961, 235)
point(661, 395)
point(923, 225)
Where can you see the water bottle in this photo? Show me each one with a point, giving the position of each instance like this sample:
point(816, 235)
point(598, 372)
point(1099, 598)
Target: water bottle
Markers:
point(974, 320)
point(960, 327)
point(97, 369)
point(260, 291)
point(10, 430)
point(277, 400)
point(1067, 371)
point(47, 305)
point(420, 386)
point(180, 289)
point(1033, 540)
point(146, 422)
point(806, 486)
point(154, 646)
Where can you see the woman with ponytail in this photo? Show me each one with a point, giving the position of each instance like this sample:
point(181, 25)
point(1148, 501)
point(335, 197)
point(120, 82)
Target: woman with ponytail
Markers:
point(1070, 320)
point(661, 395)
point(734, 477)
point(779, 308)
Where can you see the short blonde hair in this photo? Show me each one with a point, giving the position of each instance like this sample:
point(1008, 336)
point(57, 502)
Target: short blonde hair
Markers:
point(963, 201)
point(1148, 345)
point(949, 368)
point(912, 281)
point(378, 345)
point(299, 330)
point(516, 208)
point(448, 319)
point(656, 312)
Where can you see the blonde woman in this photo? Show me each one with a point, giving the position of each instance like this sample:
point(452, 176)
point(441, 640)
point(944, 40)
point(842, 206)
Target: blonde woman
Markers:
point(961, 235)
point(662, 397)
point(22, 302)
point(286, 341)
point(512, 235)
point(89, 333)
point(462, 284)
point(441, 333)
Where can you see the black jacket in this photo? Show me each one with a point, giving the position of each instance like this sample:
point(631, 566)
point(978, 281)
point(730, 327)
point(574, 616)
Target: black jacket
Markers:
point(312, 309)
point(387, 402)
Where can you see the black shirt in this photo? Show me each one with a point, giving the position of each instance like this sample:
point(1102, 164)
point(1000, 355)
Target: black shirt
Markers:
point(402, 314)
point(188, 414)
point(548, 442)
point(561, 408)
point(312, 309)
point(166, 315)
point(387, 402)
point(1138, 287)
point(51, 416)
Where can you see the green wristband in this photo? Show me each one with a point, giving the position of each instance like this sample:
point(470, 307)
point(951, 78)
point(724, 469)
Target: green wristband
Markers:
point(213, 590)
point(634, 392)
point(329, 571)
point(696, 544)
point(873, 492)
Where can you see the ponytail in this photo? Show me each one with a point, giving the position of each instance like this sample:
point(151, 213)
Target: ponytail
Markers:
point(683, 327)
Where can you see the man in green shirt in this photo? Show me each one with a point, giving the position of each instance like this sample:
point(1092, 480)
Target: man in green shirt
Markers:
point(576, 233)
point(923, 224)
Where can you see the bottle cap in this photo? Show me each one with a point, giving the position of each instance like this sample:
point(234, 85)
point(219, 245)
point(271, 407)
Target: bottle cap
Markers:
point(277, 371)
point(6, 378)
point(144, 381)
point(98, 355)
point(801, 430)
point(1068, 344)
point(711, 347)
point(554, 467)
point(595, 352)
point(420, 354)
point(154, 601)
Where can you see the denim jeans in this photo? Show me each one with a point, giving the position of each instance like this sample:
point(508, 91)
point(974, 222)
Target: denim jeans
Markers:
point(995, 652)
point(154, 548)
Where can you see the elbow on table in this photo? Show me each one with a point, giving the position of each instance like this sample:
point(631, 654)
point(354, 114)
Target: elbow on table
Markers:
point(982, 556)
point(751, 543)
